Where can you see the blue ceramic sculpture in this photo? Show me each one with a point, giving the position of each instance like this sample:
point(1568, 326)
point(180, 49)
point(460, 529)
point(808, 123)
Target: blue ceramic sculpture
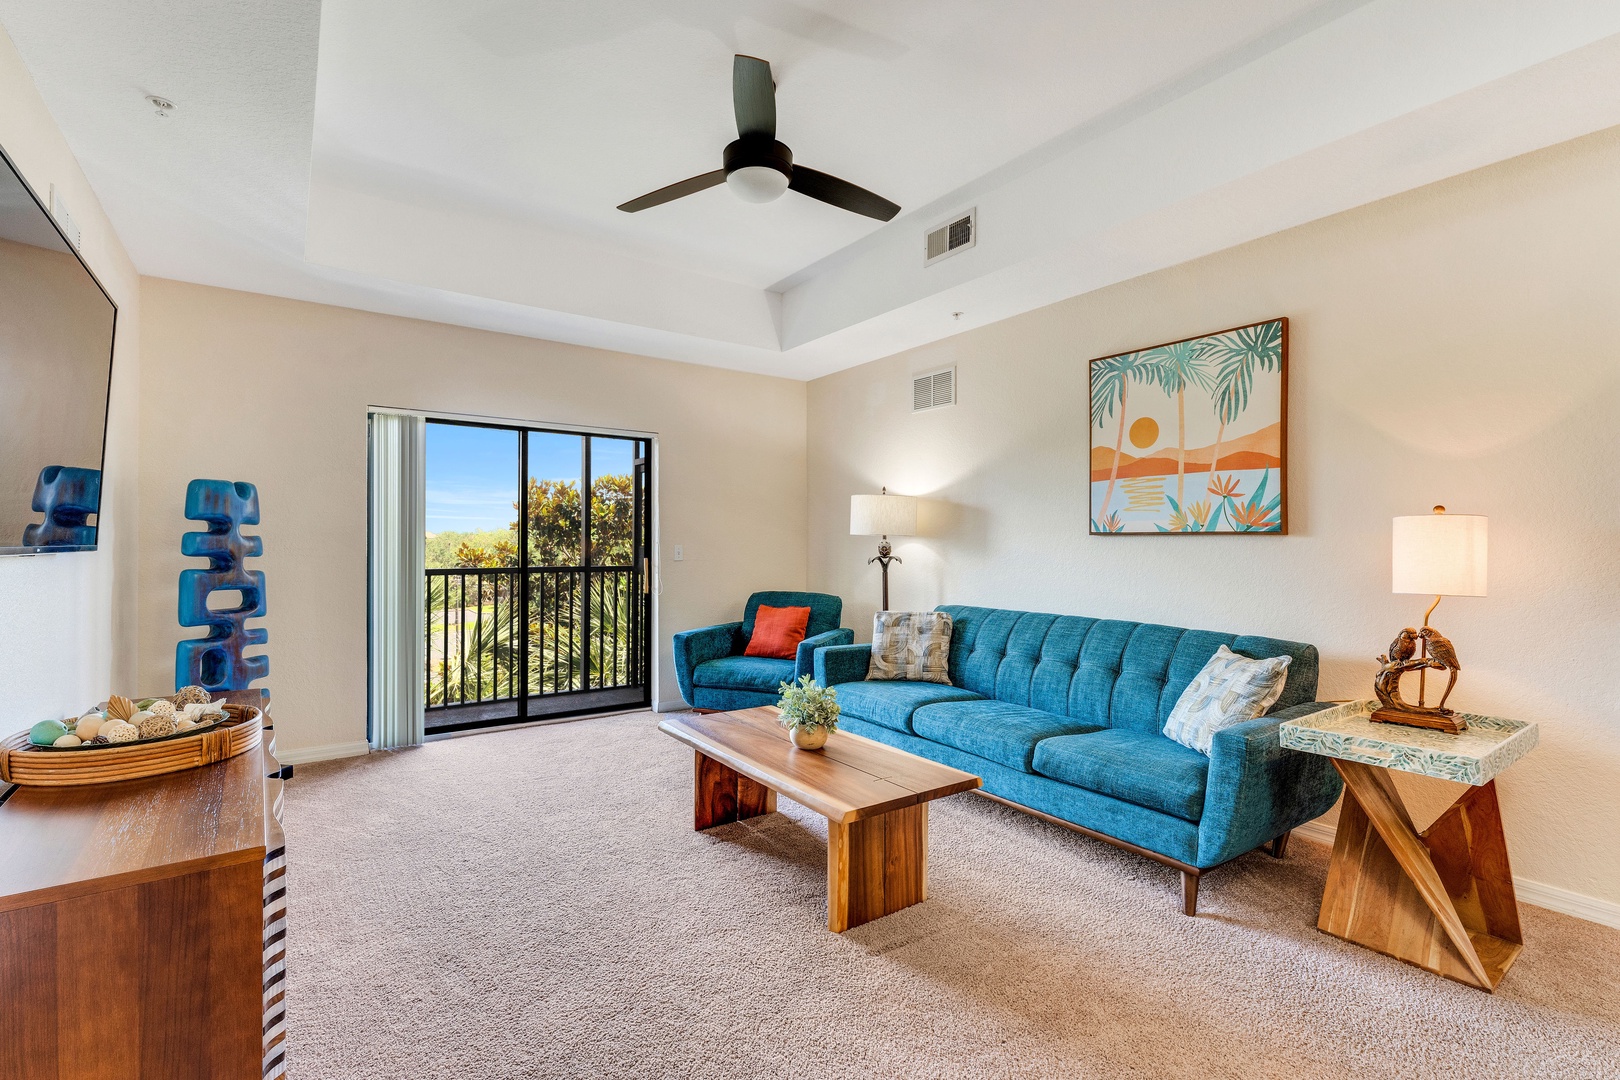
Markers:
point(67, 497)
point(216, 662)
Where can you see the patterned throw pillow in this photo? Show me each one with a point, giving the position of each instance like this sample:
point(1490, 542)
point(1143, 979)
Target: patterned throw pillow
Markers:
point(1230, 690)
point(912, 645)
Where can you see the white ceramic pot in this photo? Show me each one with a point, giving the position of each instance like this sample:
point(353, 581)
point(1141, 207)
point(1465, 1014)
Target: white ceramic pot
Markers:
point(809, 738)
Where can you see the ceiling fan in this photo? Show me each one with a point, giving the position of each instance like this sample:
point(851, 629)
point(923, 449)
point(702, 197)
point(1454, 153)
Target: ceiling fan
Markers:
point(759, 169)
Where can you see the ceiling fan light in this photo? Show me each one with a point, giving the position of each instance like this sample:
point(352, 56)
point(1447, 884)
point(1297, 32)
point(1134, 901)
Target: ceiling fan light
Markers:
point(757, 183)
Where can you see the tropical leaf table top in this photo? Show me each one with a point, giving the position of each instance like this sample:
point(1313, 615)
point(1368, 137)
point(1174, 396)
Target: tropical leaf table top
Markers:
point(1487, 746)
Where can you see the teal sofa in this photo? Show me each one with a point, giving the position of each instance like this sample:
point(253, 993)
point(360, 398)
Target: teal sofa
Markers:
point(1063, 717)
point(713, 673)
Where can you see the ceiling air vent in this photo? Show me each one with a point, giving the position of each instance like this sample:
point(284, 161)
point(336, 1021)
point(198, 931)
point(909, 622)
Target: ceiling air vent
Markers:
point(931, 391)
point(958, 234)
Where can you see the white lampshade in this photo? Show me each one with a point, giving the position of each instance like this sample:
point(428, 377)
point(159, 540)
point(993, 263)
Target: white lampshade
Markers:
point(1440, 554)
point(882, 515)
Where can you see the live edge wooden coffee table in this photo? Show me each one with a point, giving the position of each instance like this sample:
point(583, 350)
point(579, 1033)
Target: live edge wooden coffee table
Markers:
point(875, 799)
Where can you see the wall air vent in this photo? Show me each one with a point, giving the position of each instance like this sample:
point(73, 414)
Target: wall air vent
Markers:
point(957, 234)
point(934, 390)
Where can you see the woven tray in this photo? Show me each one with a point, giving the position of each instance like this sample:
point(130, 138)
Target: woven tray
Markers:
point(23, 763)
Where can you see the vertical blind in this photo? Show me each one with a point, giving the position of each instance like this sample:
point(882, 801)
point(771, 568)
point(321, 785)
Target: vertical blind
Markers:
point(398, 556)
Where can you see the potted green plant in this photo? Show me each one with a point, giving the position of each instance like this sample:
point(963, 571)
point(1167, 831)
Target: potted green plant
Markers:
point(809, 712)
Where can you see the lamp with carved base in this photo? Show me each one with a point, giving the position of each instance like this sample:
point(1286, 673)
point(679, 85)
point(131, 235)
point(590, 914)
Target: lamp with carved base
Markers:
point(1441, 555)
point(883, 515)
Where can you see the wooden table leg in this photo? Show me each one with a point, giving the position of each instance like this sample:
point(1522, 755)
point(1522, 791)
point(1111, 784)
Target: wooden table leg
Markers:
point(876, 866)
point(1442, 900)
point(720, 794)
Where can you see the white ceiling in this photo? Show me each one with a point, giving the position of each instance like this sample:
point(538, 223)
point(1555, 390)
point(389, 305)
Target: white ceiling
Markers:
point(461, 162)
point(556, 111)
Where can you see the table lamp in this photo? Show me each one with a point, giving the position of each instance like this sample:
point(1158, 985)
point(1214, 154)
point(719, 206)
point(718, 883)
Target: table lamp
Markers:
point(1439, 555)
point(883, 515)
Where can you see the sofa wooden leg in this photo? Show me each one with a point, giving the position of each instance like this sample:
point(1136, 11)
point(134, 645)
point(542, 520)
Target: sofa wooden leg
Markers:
point(1279, 846)
point(1189, 892)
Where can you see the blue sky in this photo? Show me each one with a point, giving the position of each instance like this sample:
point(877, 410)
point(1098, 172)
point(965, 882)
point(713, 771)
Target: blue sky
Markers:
point(472, 471)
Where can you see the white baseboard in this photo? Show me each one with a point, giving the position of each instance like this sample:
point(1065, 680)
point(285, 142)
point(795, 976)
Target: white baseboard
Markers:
point(1565, 902)
point(1317, 831)
point(306, 754)
point(1551, 897)
point(670, 705)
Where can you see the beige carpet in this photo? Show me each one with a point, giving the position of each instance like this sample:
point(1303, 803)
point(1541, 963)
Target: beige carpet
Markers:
point(534, 903)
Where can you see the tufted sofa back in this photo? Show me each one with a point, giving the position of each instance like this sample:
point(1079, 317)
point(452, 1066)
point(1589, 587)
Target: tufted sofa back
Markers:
point(1102, 671)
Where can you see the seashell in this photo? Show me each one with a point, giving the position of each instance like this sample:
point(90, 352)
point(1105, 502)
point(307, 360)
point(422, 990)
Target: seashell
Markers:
point(100, 740)
point(162, 707)
point(46, 732)
point(88, 725)
point(68, 740)
point(191, 695)
point(120, 707)
point(155, 726)
point(120, 731)
point(185, 723)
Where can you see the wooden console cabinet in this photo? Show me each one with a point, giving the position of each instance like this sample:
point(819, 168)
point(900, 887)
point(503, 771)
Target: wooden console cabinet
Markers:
point(142, 926)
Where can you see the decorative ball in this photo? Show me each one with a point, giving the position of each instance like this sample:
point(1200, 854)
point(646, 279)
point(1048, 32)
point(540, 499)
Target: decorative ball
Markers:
point(46, 732)
point(162, 707)
point(120, 731)
point(155, 726)
point(88, 725)
point(68, 740)
point(191, 695)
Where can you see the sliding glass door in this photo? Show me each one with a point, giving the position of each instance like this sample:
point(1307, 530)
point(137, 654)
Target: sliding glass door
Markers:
point(538, 597)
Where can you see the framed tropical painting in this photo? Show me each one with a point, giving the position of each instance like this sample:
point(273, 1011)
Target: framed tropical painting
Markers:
point(1192, 436)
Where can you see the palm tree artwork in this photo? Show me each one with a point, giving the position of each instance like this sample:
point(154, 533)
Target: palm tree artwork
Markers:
point(1236, 356)
point(1175, 367)
point(1110, 387)
point(1214, 404)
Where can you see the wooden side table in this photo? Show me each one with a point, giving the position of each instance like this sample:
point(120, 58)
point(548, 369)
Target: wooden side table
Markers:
point(1441, 899)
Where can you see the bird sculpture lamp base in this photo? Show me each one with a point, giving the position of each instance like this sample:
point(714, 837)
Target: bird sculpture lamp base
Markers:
point(1450, 722)
point(1421, 651)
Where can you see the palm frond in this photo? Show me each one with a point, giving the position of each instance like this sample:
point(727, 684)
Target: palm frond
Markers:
point(1236, 356)
point(1176, 367)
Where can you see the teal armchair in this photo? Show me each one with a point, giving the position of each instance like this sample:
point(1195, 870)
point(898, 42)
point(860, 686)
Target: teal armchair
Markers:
point(713, 673)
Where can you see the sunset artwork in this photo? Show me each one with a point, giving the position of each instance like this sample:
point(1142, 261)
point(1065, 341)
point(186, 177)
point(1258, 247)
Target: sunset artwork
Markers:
point(1190, 436)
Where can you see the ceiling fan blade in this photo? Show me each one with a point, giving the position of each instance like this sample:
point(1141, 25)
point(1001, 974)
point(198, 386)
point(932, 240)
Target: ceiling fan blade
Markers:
point(753, 95)
point(675, 191)
point(841, 193)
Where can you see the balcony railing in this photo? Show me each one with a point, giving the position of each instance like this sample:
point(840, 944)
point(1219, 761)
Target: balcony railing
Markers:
point(504, 634)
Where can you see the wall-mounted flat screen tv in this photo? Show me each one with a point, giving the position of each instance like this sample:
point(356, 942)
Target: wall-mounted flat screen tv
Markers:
point(56, 344)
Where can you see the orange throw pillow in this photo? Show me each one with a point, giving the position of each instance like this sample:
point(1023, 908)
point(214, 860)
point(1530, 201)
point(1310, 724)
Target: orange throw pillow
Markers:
point(777, 632)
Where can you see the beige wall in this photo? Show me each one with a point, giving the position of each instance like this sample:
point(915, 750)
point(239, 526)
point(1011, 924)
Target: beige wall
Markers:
point(1459, 344)
point(68, 625)
point(278, 392)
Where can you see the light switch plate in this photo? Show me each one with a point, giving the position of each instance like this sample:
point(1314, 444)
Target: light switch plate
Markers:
point(679, 554)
